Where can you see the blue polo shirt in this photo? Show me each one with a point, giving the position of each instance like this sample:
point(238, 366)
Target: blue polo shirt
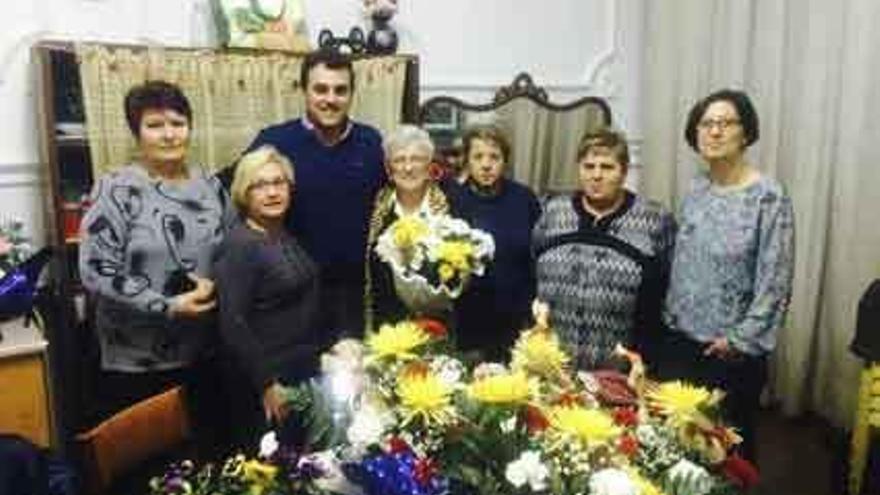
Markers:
point(335, 186)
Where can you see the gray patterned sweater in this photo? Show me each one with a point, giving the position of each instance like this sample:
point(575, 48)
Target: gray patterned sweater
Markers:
point(734, 259)
point(605, 279)
point(140, 238)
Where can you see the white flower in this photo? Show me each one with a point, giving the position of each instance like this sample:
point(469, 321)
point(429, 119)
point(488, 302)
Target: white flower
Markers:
point(687, 478)
point(528, 469)
point(332, 479)
point(367, 428)
point(448, 369)
point(268, 445)
point(508, 425)
point(612, 481)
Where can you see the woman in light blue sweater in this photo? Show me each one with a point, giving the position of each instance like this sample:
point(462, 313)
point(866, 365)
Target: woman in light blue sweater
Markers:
point(734, 255)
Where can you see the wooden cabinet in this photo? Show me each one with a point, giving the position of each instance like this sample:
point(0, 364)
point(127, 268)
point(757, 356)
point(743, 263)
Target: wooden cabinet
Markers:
point(24, 392)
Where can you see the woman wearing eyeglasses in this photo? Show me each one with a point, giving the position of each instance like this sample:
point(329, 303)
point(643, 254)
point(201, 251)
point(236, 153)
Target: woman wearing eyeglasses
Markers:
point(732, 269)
point(268, 297)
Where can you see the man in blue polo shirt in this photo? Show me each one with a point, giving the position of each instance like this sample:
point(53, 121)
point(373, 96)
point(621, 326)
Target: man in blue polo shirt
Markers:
point(338, 164)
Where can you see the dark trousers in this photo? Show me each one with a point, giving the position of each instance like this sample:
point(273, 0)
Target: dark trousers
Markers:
point(342, 306)
point(742, 378)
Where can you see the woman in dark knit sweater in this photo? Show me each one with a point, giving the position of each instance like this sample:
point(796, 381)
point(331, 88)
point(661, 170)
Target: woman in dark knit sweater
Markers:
point(497, 305)
point(268, 295)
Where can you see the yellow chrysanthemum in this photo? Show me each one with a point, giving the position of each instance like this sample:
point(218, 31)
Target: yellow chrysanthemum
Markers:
point(591, 427)
point(646, 487)
point(260, 475)
point(397, 341)
point(456, 253)
point(423, 395)
point(501, 389)
point(539, 352)
point(408, 231)
point(682, 401)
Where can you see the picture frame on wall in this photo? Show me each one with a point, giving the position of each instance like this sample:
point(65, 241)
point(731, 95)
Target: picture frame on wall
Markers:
point(443, 117)
point(262, 24)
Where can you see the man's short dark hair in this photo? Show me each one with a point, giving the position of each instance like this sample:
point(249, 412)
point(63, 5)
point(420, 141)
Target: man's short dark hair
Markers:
point(331, 59)
point(748, 117)
point(154, 95)
point(605, 139)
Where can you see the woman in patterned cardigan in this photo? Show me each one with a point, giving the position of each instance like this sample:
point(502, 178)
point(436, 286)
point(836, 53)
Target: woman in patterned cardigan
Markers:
point(602, 258)
point(145, 257)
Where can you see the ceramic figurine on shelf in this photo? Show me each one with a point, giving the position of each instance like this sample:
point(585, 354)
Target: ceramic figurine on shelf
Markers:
point(382, 39)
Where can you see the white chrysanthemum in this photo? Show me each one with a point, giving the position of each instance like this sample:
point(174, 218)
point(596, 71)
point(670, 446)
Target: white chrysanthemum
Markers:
point(685, 477)
point(268, 445)
point(448, 370)
point(612, 482)
point(528, 469)
point(508, 425)
point(367, 428)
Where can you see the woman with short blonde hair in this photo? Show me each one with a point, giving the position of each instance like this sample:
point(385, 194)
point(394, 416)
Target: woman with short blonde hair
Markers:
point(268, 293)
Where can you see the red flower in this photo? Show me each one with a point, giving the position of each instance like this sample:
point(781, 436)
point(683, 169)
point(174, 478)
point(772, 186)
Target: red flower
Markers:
point(535, 420)
point(740, 472)
point(436, 171)
point(626, 416)
point(434, 328)
point(398, 445)
point(425, 469)
point(628, 445)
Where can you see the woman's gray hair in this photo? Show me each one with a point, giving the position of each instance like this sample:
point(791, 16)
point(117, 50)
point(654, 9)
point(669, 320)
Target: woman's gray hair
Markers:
point(405, 136)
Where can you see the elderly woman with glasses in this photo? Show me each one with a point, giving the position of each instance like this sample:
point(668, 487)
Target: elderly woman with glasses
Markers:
point(408, 154)
point(268, 296)
point(734, 255)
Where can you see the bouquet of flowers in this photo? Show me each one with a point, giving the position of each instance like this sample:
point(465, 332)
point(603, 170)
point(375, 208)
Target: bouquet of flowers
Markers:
point(433, 258)
point(15, 247)
point(414, 420)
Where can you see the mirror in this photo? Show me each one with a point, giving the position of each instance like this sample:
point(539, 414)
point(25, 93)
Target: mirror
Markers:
point(543, 135)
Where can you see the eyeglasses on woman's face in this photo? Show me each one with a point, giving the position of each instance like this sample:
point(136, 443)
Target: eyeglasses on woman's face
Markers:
point(265, 185)
point(723, 125)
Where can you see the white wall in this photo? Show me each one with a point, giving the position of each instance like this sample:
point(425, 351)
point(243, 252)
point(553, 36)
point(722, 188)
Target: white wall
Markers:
point(467, 48)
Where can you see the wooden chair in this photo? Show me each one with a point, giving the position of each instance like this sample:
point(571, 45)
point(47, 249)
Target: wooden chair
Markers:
point(136, 434)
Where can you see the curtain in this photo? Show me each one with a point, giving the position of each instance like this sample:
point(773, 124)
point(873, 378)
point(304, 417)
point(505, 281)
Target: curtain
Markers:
point(810, 67)
point(232, 95)
point(544, 142)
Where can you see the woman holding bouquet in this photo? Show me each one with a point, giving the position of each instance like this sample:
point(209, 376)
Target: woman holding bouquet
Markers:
point(268, 296)
point(497, 305)
point(411, 192)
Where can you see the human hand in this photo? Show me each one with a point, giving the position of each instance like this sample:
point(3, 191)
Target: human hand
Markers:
point(275, 403)
point(197, 301)
point(720, 348)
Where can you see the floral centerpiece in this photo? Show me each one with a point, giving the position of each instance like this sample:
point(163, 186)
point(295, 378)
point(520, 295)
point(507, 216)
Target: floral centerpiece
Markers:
point(413, 419)
point(15, 247)
point(433, 258)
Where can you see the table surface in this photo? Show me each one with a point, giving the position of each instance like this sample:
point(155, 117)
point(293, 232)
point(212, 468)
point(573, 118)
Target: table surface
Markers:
point(20, 340)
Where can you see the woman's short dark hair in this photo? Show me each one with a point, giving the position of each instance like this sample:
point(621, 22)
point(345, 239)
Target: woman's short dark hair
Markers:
point(154, 95)
point(604, 139)
point(331, 59)
point(489, 133)
point(748, 117)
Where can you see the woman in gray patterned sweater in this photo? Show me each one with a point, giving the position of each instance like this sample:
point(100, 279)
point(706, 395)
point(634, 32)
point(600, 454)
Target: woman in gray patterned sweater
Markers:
point(734, 256)
point(147, 244)
point(602, 257)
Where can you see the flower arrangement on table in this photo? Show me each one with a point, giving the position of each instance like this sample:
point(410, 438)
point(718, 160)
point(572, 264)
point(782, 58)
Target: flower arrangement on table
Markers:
point(15, 247)
point(433, 258)
point(413, 420)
